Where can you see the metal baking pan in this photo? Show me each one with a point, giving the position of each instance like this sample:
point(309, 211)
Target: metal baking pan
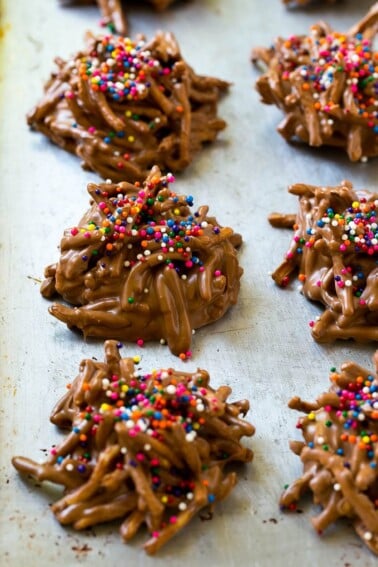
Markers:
point(262, 348)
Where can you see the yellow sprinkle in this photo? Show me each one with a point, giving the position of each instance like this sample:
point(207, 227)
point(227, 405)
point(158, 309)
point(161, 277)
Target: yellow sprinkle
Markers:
point(311, 415)
point(355, 204)
point(366, 439)
point(137, 358)
point(196, 426)
point(105, 407)
point(164, 499)
point(176, 211)
point(124, 388)
point(131, 138)
point(128, 113)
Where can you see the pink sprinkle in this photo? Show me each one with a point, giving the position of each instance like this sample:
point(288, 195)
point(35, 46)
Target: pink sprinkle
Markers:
point(140, 342)
point(74, 231)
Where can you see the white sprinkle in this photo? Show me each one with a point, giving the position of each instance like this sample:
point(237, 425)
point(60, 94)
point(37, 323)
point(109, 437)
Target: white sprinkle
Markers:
point(162, 341)
point(182, 506)
point(336, 487)
point(320, 440)
point(123, 450)
point(368, 536)
point(147, 447)
point(171, 389)
point(191, 436)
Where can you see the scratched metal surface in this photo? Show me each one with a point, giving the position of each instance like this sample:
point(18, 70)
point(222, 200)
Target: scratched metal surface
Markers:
point(262, 348)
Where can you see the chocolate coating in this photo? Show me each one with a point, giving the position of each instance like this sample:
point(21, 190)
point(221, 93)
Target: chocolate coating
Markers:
point(142, 265)
point(112, 12)
point(335, 251)
point(327, 86)
point(340, 453)
point(124, 106)
point(148, 449)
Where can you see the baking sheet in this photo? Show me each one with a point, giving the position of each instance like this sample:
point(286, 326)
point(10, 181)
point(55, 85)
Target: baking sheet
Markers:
point(262, 348)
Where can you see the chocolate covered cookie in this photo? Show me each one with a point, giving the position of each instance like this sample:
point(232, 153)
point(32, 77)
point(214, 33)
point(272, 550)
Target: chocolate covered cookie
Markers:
point(147, 449)
point(123, 106)
point(142, 265)
point(334, 251)
point(326, 83)
point(340, 453)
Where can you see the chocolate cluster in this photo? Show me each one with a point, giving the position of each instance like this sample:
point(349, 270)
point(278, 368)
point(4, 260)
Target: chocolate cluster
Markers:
point(142, 265)
point(340, 453)
point(112, 11)
point(123, 106)
point(327, 86)
point(334, 252)
point(149, 450)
